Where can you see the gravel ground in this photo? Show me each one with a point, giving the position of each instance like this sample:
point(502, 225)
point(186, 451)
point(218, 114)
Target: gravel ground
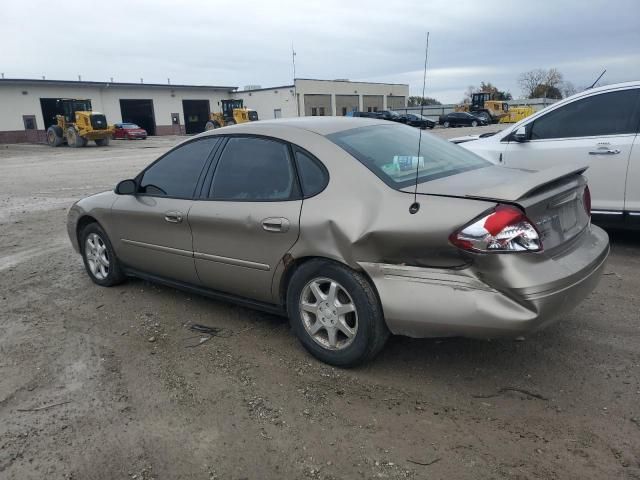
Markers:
point(106, 383)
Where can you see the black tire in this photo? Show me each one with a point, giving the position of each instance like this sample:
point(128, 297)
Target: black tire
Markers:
point(474, 123)
point(74, 139)
point(54, 136)
point(102, 142)
point(211, 125)
point(446, 124)
point(371, 333)
point(230, 122)
point(486, 117)
point(114, 275)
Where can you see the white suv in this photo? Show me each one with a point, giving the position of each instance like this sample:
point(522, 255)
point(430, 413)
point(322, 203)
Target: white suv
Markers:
point(597, 128)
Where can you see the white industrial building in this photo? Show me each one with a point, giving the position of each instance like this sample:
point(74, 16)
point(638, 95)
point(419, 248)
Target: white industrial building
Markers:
point(28, 107)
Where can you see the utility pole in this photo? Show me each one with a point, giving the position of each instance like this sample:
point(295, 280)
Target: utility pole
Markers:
point(295, 90)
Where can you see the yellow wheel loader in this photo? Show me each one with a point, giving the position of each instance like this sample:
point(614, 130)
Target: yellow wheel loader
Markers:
point(233, 111)
point(484, 106)
point(78, 124)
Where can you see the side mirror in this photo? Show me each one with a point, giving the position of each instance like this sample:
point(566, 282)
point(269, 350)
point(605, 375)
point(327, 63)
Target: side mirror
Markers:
point(127, 187)
point(520, 135)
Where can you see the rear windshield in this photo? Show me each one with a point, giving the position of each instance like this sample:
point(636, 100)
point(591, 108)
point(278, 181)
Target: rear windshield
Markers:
point(391, 152)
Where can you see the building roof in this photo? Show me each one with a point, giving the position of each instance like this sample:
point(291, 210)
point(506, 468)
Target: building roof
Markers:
point(281, 87)
point(342, 80)
point(84, 83)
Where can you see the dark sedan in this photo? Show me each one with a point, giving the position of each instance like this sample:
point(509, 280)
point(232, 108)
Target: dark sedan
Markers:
point(129, 131)
point(417, 120)
point(461, 119)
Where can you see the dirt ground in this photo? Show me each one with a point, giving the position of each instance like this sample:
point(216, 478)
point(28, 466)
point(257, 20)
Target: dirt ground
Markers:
point(109, 383)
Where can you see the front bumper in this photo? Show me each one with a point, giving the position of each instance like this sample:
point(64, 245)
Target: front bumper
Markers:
point(429, 302)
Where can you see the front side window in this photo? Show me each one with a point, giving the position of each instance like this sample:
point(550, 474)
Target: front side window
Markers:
point(176, 174)
point(604, 114)
point(254, 169)
point(391, 152)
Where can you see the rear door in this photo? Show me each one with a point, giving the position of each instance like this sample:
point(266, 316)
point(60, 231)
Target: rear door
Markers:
point(597, 131)
point(152, 231)
point(248, 218)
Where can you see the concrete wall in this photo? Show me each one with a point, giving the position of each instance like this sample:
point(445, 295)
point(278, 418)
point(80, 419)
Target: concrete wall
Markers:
point(266, 101)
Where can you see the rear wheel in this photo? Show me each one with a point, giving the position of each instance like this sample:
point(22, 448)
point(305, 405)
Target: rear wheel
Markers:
point(102, 142)
point(99, 258)
point(54, 136)
point(211, 125)
point(231, 122)
point(335, 313)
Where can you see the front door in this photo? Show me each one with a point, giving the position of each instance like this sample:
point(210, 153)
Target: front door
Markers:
point(597, 131)
point(152, 228)
point(248, 220)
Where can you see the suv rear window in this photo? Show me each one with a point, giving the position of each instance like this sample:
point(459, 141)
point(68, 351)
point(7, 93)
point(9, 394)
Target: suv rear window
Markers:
point(391, 152)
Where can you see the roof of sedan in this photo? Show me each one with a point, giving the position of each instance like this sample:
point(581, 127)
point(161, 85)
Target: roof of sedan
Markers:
point(319, 125)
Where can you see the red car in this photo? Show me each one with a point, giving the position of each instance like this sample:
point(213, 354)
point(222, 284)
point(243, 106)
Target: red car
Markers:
point(129, 131)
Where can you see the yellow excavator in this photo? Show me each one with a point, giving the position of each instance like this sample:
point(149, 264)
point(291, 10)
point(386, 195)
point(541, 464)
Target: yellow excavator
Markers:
point(78, 124)
point(484, 106)
point(233, 111)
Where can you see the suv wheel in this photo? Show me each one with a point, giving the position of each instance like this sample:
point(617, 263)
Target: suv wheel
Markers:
point(335, 313)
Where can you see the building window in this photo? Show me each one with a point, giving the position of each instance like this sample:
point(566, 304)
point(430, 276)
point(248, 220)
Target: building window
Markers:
point(29, 122)
point(369, 109)
point(314, 112)
point(277, 113)
point(375, 109)
point(321, 111)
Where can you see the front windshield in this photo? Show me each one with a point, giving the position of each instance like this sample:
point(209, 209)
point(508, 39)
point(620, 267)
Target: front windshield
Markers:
point(391, 152)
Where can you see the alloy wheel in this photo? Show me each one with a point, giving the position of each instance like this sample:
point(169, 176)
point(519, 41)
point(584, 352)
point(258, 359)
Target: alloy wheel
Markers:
point(328, 313)
point(97, 256)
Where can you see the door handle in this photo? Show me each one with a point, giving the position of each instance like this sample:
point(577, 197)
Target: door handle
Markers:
point(173, 217)
point(275, 224)
point(605, 151)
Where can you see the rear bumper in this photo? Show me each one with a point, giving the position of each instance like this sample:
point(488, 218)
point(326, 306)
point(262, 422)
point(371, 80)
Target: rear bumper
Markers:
point(424, 302)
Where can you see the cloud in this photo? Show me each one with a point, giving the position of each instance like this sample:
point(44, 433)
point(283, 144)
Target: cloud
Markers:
point(249, 42)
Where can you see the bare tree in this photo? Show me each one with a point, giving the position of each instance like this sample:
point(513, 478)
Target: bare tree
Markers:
point(541, 83)
point(568, 89)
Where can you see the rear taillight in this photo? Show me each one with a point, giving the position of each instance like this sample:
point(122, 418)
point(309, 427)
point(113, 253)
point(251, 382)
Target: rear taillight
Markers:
point(586, 200)
point(505, 229)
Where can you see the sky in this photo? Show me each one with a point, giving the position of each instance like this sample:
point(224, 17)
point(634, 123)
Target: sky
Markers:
point(249, 42)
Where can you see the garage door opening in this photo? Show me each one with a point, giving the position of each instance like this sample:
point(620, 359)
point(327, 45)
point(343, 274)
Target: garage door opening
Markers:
point(196, 114)
point(50, 108)
point(139, 112)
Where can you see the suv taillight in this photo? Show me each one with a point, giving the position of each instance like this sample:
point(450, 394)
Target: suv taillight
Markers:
point(505, 229)
point(586, 199)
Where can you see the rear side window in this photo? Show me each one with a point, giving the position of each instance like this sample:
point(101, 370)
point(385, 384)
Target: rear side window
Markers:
point(313, 177)
point(176, 174)
point(605, 114)
point(254, 169)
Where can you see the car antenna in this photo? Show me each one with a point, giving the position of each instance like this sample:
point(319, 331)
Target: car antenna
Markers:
point(597, 79)
point(415, 206)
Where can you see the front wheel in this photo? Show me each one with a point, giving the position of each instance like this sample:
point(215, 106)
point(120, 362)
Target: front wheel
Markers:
point(474, 124)
point(230, 122)
point(99, 258)
point(446, 124)
point(335, 313)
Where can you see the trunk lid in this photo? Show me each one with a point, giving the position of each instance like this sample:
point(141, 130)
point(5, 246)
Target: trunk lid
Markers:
point(553, 199)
